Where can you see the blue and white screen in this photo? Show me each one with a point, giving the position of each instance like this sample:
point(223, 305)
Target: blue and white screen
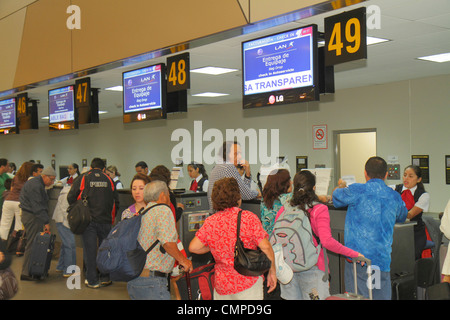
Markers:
point(61, 105)
point(142, 89)
point(7, 113)
point(278, 62)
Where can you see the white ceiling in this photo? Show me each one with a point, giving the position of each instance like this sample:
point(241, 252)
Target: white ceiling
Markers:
point(416, 28)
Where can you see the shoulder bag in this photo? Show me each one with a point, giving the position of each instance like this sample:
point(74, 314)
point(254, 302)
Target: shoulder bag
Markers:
point(78, 215)
point(249, 262)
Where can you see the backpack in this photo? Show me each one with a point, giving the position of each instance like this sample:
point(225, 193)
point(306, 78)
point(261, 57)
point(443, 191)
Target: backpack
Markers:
point(120, 255)
point(292, 229)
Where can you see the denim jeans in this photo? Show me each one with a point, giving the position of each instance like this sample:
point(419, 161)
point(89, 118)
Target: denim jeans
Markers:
point(306, 285)
point(92, 238)
point(68, 254)
point(382, 289)
point(148, 288)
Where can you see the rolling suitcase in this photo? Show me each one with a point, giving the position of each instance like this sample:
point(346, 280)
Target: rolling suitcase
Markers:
point(198, 284)
point(355, 296)
point(439, 291)
point(404, 287)
point(41, 255)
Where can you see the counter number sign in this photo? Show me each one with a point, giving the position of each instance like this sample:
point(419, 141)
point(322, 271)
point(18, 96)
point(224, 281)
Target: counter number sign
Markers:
point(178, 76)
point(83, 92)
point(22, 101)
point(346, 37)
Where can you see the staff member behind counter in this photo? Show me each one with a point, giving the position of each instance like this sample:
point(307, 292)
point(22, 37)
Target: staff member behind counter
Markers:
point(417, 201)
point(228, 158)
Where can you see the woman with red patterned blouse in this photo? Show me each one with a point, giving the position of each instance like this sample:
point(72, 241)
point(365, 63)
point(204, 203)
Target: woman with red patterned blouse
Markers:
point(218, 235)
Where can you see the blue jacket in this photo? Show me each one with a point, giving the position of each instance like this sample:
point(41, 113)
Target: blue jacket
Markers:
point(373, 209)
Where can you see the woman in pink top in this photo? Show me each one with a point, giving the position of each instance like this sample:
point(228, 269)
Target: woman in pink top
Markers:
point(310, 284)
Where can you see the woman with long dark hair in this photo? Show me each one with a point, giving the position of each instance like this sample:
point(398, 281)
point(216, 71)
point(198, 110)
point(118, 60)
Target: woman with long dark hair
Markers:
point(11, 208)
point(313, 283)
point(199, 177)
point(276, 190)
point(417, 201)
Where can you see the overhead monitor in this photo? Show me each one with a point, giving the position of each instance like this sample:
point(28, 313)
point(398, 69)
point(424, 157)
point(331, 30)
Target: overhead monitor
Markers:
point(144, 94)
point(8, 119)
point(61, 109)
point(280, 68)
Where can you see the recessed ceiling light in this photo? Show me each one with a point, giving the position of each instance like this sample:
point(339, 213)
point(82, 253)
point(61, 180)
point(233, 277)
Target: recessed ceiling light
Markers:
point(213, 70)
point(442, 57)
point(116, 88)
point(210, 94)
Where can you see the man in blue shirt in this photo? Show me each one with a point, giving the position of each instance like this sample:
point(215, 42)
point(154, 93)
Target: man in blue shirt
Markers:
point(373, 210)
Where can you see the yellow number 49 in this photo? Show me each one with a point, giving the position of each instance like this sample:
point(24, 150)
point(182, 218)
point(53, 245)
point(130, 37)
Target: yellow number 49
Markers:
point(354, 38)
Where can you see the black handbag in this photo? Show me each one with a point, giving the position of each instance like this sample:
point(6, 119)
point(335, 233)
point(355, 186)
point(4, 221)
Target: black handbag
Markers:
point(249, 262)
point(79, 215)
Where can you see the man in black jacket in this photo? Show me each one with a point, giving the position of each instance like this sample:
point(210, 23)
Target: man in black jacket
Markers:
point(102, 200)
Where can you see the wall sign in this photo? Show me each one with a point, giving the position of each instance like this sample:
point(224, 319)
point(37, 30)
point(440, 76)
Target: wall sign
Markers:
point(447, 169)
point(423, 162)
point(346, 37)
point(301, 162)
point(320, 137)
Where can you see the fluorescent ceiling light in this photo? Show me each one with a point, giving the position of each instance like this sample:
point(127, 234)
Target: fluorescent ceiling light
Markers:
point(45, 118)
point(370, 40)
point(116, 88)
point(210, 94)
point(374, 40)
point(442, 57)
point(213, 70)
point(102, 112)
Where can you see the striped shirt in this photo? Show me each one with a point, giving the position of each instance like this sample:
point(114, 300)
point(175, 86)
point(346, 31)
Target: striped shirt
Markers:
point(228, 170)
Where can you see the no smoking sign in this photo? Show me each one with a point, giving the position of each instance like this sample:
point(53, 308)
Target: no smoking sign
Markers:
point(320, 140)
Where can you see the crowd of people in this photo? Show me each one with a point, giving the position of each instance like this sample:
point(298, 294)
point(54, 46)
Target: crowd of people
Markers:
point(372, 210)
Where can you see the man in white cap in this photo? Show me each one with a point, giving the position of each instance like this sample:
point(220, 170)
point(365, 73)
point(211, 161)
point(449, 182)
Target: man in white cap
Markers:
point(35, 218)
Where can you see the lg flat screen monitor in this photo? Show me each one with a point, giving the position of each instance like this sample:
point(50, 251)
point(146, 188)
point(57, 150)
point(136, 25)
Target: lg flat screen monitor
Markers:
point(61, 109)
point(144, 94)
point(280, 68)
point(8, 116)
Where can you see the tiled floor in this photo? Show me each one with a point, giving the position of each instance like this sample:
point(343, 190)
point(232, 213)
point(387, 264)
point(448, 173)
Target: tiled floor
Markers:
point(55, 287)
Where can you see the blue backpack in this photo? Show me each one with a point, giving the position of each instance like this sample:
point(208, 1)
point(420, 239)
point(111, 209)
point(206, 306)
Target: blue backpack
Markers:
point(120, 255)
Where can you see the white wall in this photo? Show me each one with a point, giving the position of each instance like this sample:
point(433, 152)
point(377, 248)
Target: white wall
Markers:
point(411, 117)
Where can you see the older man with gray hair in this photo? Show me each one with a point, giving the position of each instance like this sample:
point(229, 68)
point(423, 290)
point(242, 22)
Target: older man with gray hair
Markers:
point(35, 218)
point(158, 225)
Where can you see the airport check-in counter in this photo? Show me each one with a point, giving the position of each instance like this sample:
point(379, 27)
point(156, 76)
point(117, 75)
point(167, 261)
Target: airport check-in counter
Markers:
point(402, 245)
point(196, 210)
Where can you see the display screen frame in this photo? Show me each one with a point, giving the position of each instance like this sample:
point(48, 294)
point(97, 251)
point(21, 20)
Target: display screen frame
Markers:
point(159, 111)
point(63, 123)
point(282, 94)
point(12, 127)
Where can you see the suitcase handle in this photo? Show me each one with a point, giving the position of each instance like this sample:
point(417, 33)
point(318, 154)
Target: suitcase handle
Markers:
point(362, 259)
point(369, 272)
